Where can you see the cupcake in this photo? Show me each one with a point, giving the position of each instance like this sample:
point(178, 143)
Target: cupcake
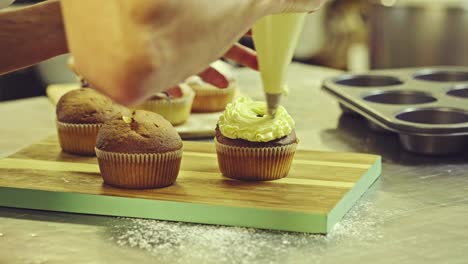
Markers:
point(209, 98)
point(80, 114)
point(174, 105)
point(253, 146)
point(140, 150)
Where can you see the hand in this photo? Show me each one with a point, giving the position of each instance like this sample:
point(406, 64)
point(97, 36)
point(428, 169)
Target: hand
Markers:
point(287, 6)
point(239, 53)
point(130, 49)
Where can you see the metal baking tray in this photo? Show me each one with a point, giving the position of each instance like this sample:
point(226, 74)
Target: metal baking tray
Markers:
point(426, 107)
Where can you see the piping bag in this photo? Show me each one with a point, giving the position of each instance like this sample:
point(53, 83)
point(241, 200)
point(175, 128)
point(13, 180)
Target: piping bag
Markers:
point(275, 38)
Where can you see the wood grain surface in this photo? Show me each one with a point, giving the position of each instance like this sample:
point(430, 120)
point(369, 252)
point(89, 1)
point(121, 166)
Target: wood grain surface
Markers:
point(320, 185)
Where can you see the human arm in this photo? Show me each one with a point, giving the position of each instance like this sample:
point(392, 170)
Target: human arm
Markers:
point(130, 49)
point(31, 34)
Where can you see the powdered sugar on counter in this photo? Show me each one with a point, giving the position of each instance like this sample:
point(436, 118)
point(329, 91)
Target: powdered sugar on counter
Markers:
point(183, 243)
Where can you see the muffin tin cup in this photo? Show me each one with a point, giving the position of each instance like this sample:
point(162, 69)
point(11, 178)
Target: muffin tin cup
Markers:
point(139, 171)
point(212, 100)
point(254, 163)
point(400, 98)
point(459, 91)
point(175, 110)
point(79, 139)
point(377, 128)
point(433, 144)
point(427, 107)
point(362, 80)
point(443, 75)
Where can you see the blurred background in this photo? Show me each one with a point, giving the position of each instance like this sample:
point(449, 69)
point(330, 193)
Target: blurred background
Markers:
point(352, 35)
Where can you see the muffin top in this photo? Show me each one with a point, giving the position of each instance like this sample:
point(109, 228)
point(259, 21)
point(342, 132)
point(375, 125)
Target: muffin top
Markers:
point(248, 120)
point(86, 106)
point(138, 132)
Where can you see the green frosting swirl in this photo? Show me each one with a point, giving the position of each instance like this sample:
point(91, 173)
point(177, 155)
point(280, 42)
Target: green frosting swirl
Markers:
point(247, 119)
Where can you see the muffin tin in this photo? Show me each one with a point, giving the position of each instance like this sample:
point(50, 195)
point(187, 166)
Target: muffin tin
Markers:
point(426, 107)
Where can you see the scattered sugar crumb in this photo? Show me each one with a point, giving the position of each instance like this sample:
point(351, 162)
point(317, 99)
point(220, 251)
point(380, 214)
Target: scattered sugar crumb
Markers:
point(1, 234)
point(33, 235)
point(177, 242)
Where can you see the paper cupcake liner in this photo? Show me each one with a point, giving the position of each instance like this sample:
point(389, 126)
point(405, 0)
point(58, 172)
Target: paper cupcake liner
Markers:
point(255, 164)
point(212, 100)
point(176, 110)
point(78, 138)
point(139, 171)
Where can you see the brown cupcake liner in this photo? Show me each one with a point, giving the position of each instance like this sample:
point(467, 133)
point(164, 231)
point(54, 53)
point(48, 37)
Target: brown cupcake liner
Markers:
point(139, 171)
point(78, 138)
point(209, 101)
point(175, 110)
point(255, 164)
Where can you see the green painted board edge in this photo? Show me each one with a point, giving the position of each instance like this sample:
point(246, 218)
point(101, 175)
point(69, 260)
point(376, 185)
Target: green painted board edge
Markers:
point(361, 186)
point(187, 212)
point(162, 210)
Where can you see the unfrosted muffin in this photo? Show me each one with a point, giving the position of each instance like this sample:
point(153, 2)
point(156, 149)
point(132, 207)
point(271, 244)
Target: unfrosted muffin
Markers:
point(174, 105)
point(253, 146)
point(209, 98)
point(141, 150)
point(80, 114)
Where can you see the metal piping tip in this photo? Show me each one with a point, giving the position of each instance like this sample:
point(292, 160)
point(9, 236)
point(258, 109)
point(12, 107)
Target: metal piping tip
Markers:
point(272, 112)
point(273, 101)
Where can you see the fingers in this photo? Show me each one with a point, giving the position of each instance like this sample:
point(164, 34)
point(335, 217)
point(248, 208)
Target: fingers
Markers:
point(238, 53)
point(304, 5)
point(243, 55)
point(175, 92)
point(71, 65)
point(213, 77)
point(292, 6)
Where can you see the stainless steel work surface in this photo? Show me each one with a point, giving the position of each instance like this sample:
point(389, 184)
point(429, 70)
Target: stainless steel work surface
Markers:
point(417, 211)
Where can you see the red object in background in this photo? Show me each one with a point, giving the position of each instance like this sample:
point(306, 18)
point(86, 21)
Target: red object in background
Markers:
point(175, 92)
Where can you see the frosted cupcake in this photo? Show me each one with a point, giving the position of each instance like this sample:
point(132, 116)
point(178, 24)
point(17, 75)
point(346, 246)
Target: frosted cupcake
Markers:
point(80, 114)
point(141, 150)
point(174, 105)
point(252, 145)
point(209, 98)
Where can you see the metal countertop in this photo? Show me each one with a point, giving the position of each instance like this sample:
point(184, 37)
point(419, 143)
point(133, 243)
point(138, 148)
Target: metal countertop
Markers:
point(416, 213)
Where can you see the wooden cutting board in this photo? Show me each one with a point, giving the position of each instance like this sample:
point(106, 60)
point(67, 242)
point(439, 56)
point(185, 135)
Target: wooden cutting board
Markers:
point(319, 190)
point(199, 125)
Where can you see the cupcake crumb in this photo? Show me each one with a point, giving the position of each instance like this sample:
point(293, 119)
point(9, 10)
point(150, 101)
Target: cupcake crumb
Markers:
point(127, 119)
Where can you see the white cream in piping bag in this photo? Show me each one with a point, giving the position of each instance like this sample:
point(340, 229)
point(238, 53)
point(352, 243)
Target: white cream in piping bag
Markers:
point(275, 39)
